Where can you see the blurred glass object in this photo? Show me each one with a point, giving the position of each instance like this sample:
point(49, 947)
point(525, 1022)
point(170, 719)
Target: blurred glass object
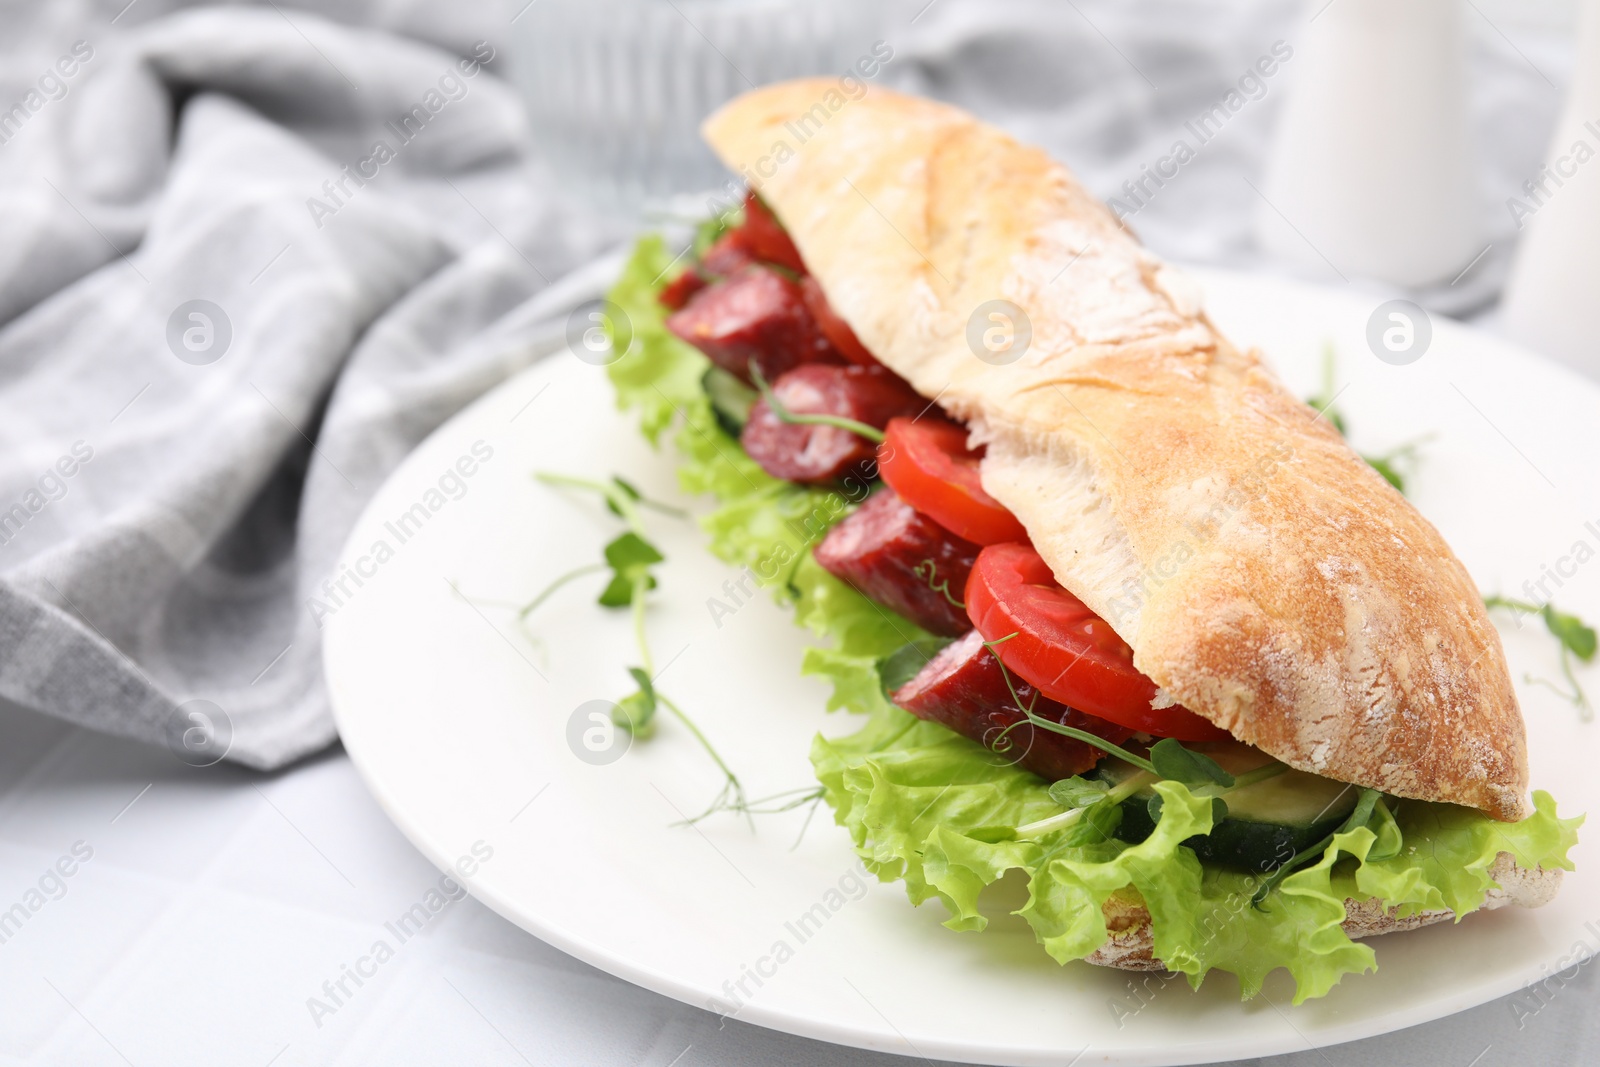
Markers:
point(1549, 301)
point(616, 89)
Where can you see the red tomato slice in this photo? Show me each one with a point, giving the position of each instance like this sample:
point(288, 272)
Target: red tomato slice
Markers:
point(1065, 650)
point(928, 463)
point(832, 326)
point(765, 238)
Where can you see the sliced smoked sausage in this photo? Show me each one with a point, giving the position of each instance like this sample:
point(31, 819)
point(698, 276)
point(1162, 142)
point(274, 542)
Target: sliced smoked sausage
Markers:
point(817, 454)
point(727, 255)
point(898, 557)
point(965, 688)
point(756, 314)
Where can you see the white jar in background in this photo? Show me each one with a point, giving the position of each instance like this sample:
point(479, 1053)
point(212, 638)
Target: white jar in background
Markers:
point(1555, 279)
point(1372, 169)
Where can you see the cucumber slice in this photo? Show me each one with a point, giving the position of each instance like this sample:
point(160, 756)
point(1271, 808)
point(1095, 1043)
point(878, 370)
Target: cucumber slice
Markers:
point(731, 400)
point(1268, 821)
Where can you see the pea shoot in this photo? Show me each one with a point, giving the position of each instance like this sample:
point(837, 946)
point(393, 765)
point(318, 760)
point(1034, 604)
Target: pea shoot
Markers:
point(629, 559)
point(1577, 641)
point(928, 571)
point(1400, 462)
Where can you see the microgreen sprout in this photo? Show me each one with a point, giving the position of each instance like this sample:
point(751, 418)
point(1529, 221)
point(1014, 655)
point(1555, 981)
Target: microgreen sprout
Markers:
point(1400, 462)
point(621, 498)
point(789, 800)
point(1178, 764)
point(1080, 798)
point(636, 712)
point(928, 571)
point(551, 589)
point(1078, 792)
point(1577, 640)
point(629, 558)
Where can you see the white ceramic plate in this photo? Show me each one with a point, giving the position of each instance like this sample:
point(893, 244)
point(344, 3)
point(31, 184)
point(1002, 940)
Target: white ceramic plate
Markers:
point(459, 721)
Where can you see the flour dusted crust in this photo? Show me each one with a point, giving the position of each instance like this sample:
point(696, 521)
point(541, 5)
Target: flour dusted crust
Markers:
point(1130, 946)
point(1264, 575)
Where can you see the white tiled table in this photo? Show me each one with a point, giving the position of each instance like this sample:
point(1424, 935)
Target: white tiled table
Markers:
point(217, 902)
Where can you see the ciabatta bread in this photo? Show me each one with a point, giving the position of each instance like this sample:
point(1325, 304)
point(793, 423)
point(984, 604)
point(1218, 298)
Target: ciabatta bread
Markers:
point(1264, 575)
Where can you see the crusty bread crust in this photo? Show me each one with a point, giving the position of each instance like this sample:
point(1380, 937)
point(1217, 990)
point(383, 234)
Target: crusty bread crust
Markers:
point(1130, 945)
point(1264, 575)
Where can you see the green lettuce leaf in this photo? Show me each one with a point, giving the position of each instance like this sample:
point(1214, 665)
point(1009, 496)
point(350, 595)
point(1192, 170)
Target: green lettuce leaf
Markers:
point(936, 811)
point(929, 808)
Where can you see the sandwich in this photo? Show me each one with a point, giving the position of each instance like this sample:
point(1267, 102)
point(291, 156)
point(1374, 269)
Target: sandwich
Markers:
point(1126, 620)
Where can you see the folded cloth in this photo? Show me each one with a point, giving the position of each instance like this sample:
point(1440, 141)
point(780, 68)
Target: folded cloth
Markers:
point(251, 259)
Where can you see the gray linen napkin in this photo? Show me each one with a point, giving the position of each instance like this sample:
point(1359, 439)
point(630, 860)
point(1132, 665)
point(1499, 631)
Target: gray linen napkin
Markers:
point(228, 313)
